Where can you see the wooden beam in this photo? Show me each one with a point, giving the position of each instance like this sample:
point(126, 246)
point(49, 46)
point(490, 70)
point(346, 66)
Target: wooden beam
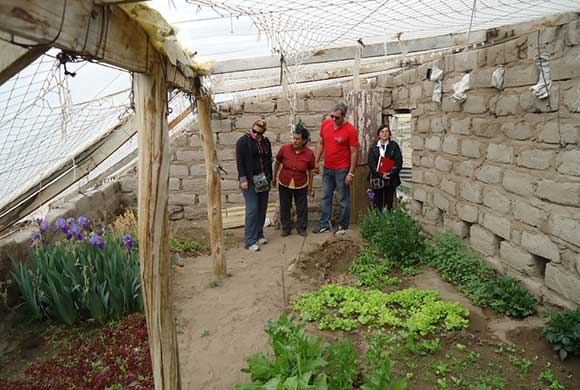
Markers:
point(214, 203)
point(65, 175)
point(154, 255)
point(15, 58)
point(116, 2)
point(349, 52)
point(106, 34)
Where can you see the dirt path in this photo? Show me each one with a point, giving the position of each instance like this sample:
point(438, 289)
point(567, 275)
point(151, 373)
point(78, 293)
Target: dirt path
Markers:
point(218, 327)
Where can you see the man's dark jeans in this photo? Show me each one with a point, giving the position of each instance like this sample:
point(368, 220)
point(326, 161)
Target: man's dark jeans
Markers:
point(301, 201)
point(334, 179)
point(256, 206)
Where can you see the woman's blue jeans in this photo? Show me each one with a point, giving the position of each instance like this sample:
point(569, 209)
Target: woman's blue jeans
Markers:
point(256, 207)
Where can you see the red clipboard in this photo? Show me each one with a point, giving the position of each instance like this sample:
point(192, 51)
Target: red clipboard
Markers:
point(385, 164)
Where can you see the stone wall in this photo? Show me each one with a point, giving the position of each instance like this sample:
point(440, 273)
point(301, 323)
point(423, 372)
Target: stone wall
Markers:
point(187, 183)
point(502, 169)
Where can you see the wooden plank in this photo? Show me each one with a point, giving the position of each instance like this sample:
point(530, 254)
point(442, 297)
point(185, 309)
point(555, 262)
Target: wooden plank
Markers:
point(366, 115)
point(214, 203)
point(349, 52)
point(65, 175)
point(106, 34)
point(116, 2)
point(154, 255)
point(265, 80)
point(15, 58)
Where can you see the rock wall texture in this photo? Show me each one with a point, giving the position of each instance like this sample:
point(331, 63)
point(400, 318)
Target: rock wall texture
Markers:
point(502, 169)
point(187, 183)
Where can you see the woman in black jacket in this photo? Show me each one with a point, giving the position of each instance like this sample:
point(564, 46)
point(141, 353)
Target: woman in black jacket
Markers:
point(384, 185)
point(254, 162)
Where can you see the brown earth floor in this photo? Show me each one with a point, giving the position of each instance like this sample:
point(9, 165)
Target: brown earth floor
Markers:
point(219, 327)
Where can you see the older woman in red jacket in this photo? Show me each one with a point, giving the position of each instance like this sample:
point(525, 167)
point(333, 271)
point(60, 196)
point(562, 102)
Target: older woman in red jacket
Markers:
point(295, 181)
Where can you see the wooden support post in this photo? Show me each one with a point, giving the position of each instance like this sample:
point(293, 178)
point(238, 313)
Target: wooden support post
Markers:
point(154, 256)
point(214, 203)
point(365, 114)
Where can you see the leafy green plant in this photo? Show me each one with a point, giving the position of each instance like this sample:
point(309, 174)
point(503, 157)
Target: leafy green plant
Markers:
point(394, 235)
point(464, 269)
point(523, 364)
point(296, 362)
point(77, 278)
point(379, 364)
point(563, 331)
point(547, 377)
point(344, 307)
point(343, 365)
point(441, 369)
point(188, 247)
point(506, 295)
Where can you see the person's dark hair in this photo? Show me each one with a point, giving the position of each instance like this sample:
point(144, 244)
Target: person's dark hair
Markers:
point(303, 133)
point(383, 127)
point(341, 107)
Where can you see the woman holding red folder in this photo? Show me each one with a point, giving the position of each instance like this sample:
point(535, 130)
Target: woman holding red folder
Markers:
point(385, 162)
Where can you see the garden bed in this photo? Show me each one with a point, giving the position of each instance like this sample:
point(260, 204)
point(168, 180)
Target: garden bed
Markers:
point(218, 327)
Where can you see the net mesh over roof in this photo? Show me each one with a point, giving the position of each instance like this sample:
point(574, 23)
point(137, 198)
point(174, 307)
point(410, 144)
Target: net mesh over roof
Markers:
point(307, 26)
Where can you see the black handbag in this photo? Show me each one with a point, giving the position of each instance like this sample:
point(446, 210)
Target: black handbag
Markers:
point(261, 182)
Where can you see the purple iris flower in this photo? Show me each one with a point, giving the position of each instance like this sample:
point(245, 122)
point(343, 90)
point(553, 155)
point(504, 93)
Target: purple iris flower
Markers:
point(83, 221)
point(35, 236)
point(44, 225)
point(70, 220)
point(97, 241)
point(370, 195)
point(128, 241)
point(60, 223)
point(75, 229)
point(69, 236)
point(80, 236)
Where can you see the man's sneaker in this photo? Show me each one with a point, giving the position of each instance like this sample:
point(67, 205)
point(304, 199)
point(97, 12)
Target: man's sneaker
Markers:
point(254, 248)
point(321, 230)
point(340, 231)
point(262, 241)
point(303, 233)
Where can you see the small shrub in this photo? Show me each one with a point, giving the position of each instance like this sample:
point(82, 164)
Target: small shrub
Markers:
point(563, 331)
point(506, 295)
point(394, 235)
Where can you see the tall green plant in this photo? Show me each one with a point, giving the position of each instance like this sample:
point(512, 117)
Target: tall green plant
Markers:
point(394, 235)
point(76, 278)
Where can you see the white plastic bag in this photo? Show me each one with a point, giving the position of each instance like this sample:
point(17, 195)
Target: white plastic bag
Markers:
point(544, 85)
point(460, 89)
point(435, 76)
point(497, 77)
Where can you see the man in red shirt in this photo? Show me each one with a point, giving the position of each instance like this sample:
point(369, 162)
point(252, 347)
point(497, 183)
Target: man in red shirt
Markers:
point(339, 142)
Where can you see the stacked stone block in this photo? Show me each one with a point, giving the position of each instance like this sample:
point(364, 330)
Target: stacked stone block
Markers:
point(187, 183)
point(502, 169)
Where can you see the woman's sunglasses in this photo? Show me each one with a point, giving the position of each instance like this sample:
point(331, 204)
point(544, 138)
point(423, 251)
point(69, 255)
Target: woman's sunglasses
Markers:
point(336, 117)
